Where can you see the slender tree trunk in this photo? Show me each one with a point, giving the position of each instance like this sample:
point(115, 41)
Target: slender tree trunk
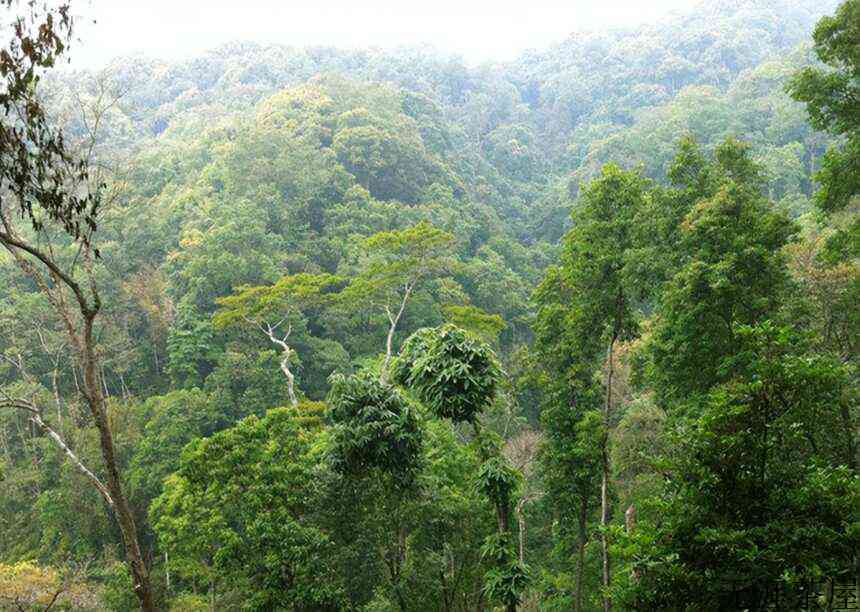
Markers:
point(604, 484)
point(393, 320)
point(291, 380)
point(580, 561)
point(521, 525)
point(286, 353)
point(849, 428)
point(212, 594)
point(389, 349)
point(394, 555)
point(81, 338)
point(57, 401)
point(502, 512)
point(100, 487)
point(401, 562)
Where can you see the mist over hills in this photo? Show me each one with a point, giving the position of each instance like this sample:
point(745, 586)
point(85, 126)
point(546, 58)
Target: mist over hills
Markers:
point(552, 114)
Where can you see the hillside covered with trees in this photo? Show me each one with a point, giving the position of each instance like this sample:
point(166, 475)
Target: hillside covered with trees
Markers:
point(318, 329)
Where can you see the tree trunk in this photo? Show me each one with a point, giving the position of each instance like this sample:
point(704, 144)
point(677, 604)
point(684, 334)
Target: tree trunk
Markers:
point(389, 349)
point(291, 380)
point(57, 401)
point(521, 526)
point(580, 561)
point(604, 522)
point(125, 518)
point(604, 484)
point(287, 352)
point(83, 343)
point(393, 320)
point(502, 512)
point(401, 562)
point(100, 487)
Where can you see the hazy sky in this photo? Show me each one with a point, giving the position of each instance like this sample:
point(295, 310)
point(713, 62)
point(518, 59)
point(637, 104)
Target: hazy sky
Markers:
point(478, 29)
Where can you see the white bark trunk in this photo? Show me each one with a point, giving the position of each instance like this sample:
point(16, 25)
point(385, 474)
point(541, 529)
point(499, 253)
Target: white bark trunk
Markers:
point(393, 320)
point(285, 361)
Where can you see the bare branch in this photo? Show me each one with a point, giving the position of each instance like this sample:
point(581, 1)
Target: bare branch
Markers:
point(35, 415)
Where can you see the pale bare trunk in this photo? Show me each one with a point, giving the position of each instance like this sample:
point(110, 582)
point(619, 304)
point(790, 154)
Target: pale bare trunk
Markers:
point(521, 524)
point(287, 352)
point(57, 401)
point(393, 320)
point(389, 349)
point(73, 458)
point(291, 380)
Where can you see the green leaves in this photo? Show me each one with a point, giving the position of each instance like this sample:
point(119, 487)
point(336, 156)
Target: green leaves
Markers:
point(732, 272)
point(291, 295)
point(754, 489)
point(485, 326)
point(507, 580)
point(498, 481)
point(239, 512)
point(592, 293)
point(373, 428)
point(832, 95)
point(450, 371)
point(46, 179)
point(399, 260)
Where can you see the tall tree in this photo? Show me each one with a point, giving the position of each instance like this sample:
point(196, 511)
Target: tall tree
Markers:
point(270, 309)
point(756, 487)
point(397, 263)
point(457, 376)
point(595, 275)
point(733, 272)
point(569, 398)
point(376, 437)
point(48, 215)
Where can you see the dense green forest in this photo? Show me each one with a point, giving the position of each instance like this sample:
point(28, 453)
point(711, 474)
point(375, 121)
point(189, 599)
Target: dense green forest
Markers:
point(319, 329)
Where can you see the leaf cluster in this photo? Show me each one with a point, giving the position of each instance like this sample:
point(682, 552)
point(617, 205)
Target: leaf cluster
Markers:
point(449, 370)
point(373, 428)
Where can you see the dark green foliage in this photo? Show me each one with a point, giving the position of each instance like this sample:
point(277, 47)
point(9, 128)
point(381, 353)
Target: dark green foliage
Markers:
point(758, 492)
point(373, 428)
point(498, 481)
point(450, 371)
point(507, 580)
point(732, 272)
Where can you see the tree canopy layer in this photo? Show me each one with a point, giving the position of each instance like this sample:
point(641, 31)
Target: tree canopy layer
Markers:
point(330, 329)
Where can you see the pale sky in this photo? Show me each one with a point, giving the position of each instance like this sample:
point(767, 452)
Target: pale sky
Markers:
point(479, 30)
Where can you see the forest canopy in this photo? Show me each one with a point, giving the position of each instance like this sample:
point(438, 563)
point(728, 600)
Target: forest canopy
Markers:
point(325, 329)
